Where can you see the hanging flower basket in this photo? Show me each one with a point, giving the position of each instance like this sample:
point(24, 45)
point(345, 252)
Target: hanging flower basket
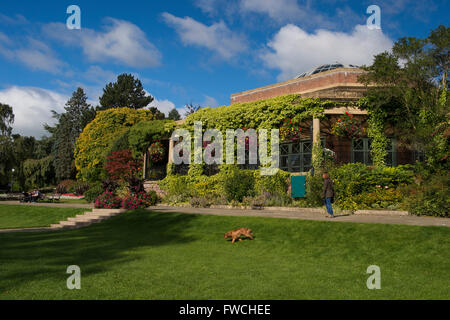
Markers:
point(347, 126)
point(156, 152)
point(290, 131)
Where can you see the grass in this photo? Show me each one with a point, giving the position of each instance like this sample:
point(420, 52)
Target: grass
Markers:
point(150, 255)
point(19, 216)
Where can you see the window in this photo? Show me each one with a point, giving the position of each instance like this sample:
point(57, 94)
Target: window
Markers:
point(360, 152)
point(296, 156)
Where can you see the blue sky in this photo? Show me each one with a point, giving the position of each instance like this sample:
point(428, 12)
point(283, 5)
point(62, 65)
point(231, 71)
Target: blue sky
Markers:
point(197, 51)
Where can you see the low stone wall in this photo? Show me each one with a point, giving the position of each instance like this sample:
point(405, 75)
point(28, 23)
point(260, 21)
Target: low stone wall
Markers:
point(153, 185)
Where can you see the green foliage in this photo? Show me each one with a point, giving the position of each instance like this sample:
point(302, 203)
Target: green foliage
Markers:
point(318, 157)
point(125, 92)
point(78, 113)
point(141, 135)
point(354, 179)
point(403, 93)
point(6, 119)
point(314, 190)
point(93, 192)
point(174, 115)
point(238, 184)
point(379, 140)
point(263, 114)
point(39, 172)
point(277, 184)
point(429, 197)
point(98, 137)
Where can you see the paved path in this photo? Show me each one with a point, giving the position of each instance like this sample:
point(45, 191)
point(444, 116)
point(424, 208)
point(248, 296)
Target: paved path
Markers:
point(311, 214)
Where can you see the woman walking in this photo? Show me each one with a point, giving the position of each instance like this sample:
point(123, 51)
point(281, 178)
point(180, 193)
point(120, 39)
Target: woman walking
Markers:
point(328, 193)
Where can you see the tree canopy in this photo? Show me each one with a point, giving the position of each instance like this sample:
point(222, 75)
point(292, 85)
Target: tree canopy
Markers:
point(125, 92)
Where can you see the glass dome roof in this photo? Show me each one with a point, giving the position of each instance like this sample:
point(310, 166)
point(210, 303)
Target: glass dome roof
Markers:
point(326, 67)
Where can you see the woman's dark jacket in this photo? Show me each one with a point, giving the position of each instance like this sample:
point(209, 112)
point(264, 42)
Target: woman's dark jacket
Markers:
point(328, 189)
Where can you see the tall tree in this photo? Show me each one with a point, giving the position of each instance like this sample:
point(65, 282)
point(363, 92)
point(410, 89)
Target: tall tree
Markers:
point(6, 119)
point(125, 92)
point(191, 108)
point(70, 125)
point(6, 146)
point(174, 115)
point(23, 149)
point(410, 91)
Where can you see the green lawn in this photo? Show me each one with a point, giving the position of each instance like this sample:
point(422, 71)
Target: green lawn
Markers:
point(148, 255)
point(19, 216)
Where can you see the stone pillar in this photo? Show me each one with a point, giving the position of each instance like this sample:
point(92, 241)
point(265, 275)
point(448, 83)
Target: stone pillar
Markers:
point(316, 130)
point(144, 171)
point(171, 144)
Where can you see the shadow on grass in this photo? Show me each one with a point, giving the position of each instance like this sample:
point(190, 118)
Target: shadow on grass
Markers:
point(46, 255)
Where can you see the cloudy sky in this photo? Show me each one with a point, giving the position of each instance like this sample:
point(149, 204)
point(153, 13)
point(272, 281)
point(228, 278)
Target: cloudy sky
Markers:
point(192, 51)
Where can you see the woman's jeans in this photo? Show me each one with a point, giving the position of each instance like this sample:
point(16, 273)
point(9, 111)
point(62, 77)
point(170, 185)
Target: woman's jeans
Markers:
point(328, 205)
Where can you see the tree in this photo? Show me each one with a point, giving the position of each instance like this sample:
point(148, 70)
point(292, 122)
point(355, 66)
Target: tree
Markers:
point(69, 127)
point(125, 92)
point(190, 109)
point(410, 93)
point(23, 149)
point(174, 115)
point(6, 119)
point(6, 147)
point(158, 114)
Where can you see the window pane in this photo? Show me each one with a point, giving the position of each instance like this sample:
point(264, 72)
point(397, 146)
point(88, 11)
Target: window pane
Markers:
point(307, 147)
point(358, 156)
point(358, 144)
point(294, 160)
point(284, 149)
point(283, 162)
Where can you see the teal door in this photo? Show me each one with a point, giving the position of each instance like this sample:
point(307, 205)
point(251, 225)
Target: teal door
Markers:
point(298, 186)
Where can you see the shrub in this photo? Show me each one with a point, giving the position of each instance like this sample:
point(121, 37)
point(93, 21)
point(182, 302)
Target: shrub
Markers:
point(139, 200)
point(99, 135)
point(93, 192)
point(200, 202)
point(107, 200)
point(238, 184)
point(314, 190)
point(429, 198)
point(121, 165)
point(355, 185)
point(109, 185)
point(64, 186)
point(80, 187)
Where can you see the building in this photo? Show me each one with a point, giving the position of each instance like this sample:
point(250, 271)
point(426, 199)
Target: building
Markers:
point(335, 82)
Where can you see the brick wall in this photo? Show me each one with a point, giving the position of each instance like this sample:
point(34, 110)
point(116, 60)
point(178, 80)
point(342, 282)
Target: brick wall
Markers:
point(342, 77)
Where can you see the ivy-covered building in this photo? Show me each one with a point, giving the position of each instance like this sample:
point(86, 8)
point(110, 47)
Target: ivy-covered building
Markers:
point(322, 103)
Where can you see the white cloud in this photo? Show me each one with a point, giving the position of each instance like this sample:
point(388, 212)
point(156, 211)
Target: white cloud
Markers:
point(276, 9)
point(36, 54)
point(164, 106)
point(216, 37)
point(209, 102)
point(285, 11)
point(121, 42)
point(31, 107)
point(292, 50)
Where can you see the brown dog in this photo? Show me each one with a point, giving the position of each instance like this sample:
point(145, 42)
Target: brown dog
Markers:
point(236, 234)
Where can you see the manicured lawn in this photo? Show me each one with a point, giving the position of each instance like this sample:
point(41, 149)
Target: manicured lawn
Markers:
point(20, 216)
point(149, 255)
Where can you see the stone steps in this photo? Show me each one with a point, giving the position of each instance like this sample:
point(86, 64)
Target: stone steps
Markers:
point(86, 219)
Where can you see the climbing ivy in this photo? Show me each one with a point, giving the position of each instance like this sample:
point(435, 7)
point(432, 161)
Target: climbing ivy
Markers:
point(376, 131)
point(263, 114)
